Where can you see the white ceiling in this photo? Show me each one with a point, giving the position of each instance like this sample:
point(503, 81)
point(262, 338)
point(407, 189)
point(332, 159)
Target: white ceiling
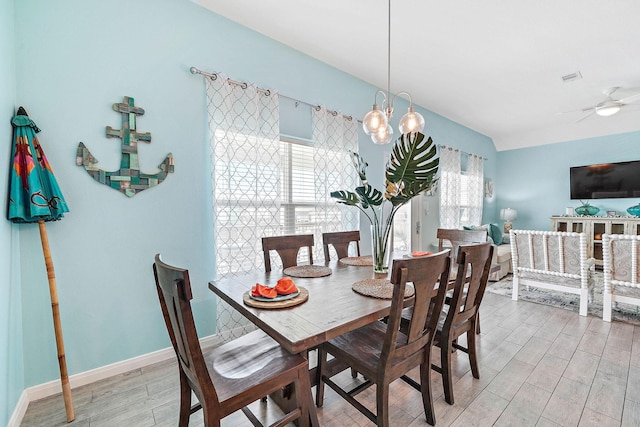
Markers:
point(493, 66)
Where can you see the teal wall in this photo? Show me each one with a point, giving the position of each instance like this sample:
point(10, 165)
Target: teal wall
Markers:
point(11, 362)
point(535, 181)
point(74, 60)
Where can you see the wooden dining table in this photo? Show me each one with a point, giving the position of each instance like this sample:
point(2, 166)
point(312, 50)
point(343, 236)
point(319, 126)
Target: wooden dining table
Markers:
point(332, 308)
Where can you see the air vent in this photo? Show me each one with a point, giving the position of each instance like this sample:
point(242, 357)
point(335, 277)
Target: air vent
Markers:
point(572, 77)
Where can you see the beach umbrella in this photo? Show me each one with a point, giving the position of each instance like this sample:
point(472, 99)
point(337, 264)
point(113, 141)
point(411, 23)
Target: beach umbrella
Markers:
point(34, 197)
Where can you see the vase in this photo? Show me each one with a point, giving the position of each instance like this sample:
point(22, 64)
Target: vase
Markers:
point(634, 210)
point(587, 210)
point(380, 248)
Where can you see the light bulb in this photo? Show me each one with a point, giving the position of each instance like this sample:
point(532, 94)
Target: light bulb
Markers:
point(411, 122)
point(383, 135)
point(374, 121)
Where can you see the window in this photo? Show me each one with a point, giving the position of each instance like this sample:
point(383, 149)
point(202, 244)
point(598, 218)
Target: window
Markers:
point(461, 189)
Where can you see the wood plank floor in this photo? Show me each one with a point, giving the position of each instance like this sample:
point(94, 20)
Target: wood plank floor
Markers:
point(539, 366)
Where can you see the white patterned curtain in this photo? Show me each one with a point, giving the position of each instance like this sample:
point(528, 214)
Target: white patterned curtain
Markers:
point(449, 187)
point(475, 194)
point(334, 136)
point(245, 159)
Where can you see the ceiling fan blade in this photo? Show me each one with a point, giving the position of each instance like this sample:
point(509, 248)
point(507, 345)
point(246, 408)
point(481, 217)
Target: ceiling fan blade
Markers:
point(586, 115)
point(628, 99)
point(582, 110)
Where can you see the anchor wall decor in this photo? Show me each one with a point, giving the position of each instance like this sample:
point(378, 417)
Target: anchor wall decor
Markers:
point(128, 179)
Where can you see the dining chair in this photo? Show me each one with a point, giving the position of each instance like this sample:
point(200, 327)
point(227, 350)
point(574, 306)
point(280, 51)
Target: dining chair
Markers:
point(340, 241)
point(455, 238)
point(380, 352)
point(287, 248)
point(230, 377)
point(460, 312)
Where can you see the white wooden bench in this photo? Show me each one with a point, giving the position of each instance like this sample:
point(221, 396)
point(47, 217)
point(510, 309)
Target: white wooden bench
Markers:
point(552, 260)
point(620, 256)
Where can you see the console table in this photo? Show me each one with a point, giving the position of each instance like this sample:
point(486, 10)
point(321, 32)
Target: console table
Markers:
point(594, 227)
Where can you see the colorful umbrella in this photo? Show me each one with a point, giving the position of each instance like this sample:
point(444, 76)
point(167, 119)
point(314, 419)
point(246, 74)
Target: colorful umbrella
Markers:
point(35, 197)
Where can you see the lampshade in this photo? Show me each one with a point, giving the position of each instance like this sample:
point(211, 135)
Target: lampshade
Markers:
point(508, 214)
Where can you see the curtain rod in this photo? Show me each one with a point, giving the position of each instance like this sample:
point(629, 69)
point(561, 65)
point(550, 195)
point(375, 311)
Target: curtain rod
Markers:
point(266, 92)
point(463, 152)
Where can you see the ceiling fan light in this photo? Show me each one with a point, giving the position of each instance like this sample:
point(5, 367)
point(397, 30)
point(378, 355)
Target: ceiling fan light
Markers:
point(374, 121)
point(607, 110)
point(411, 122)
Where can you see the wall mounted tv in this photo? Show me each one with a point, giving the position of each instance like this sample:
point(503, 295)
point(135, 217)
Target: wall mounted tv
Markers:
point(605, 181)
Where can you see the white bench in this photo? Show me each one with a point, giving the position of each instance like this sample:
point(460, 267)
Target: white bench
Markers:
point(552, 260)
point(620, 256)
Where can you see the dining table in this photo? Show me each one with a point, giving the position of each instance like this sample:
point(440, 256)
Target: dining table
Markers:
point(332, 308)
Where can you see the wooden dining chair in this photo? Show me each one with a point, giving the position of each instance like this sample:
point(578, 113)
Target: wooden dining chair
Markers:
point(340, 241)
point(449, 237)
point(460, 312)
point(380, 352)
point(453, 238)
point(287, 248)
point(230, 377)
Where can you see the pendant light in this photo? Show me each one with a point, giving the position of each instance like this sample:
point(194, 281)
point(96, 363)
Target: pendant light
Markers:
point(376, 121)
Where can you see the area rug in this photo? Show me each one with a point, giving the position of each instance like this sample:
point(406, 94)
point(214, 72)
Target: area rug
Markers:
point(623, 312)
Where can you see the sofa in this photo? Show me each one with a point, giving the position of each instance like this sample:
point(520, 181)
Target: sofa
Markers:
point(501, 257)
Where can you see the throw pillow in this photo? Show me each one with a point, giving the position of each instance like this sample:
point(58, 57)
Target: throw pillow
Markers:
point(495, 233)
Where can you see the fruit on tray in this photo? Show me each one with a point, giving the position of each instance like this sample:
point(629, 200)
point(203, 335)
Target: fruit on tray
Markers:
point(259, 290)
point(285, 286)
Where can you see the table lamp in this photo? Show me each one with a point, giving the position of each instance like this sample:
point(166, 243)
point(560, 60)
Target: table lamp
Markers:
point(508, 215)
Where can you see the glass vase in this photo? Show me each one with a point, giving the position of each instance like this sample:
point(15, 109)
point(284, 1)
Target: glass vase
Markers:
point(380, 249)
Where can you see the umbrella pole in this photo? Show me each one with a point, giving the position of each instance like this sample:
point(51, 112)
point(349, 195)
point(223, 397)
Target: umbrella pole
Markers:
point(57, 325)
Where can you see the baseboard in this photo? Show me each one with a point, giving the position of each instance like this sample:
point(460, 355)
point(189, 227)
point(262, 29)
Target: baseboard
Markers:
point(52, 388)
point(19, 411)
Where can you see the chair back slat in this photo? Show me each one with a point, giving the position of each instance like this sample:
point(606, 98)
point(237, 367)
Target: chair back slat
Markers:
point(429, 276)
point(473, 263)
point(340, 241)
point(457, 237)
point(287, 248)
point(174, 293)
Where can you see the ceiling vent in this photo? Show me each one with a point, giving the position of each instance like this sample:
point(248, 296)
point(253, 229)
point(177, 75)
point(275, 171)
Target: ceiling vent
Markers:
point(572, 77)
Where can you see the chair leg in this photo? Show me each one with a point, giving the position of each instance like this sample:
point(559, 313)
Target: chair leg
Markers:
point(320, 368)
point(445, 363)
point(425, 389)
point(382, 400)
point(304, 398)
point(471, 349)
point(478, 323)
point(185, 401)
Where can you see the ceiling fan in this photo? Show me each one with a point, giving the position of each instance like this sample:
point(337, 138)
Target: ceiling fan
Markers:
point(609, 106)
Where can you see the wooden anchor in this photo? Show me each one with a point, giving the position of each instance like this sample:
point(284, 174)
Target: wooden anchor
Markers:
point(128, 179)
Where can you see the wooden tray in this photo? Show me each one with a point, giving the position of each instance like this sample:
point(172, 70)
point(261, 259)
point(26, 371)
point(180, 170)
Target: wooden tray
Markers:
point(302, 297)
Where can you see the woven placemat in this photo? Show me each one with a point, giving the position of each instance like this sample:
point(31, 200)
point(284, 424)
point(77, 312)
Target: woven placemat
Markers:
point(362, 261)
point(307, 271)
point(299, 299)
point(379, 288)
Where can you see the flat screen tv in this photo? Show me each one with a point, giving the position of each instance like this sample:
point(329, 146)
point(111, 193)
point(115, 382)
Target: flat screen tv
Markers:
point(605, 181)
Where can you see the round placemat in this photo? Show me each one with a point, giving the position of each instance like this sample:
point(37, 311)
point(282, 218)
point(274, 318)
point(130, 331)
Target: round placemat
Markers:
point(361, 261)
point(302, 297)
point(307, 271)
point(379, 288)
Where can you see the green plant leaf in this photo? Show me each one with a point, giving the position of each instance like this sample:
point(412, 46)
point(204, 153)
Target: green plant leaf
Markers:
point(346, 197)
point(369, 196)
point(360, 165)
point(411, 169)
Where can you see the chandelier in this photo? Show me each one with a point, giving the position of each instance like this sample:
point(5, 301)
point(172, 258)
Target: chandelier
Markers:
point(376, 121)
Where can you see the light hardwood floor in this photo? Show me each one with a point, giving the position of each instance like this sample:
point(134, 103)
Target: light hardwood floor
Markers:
point(539, 366)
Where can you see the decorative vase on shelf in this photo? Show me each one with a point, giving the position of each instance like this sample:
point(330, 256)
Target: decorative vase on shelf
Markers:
point(634, 210)
point(587, 209)
point(411, 171)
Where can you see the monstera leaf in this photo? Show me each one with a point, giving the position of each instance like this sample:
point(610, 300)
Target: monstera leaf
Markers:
point(412, 168)
point(346, 197)
point(369, 196)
